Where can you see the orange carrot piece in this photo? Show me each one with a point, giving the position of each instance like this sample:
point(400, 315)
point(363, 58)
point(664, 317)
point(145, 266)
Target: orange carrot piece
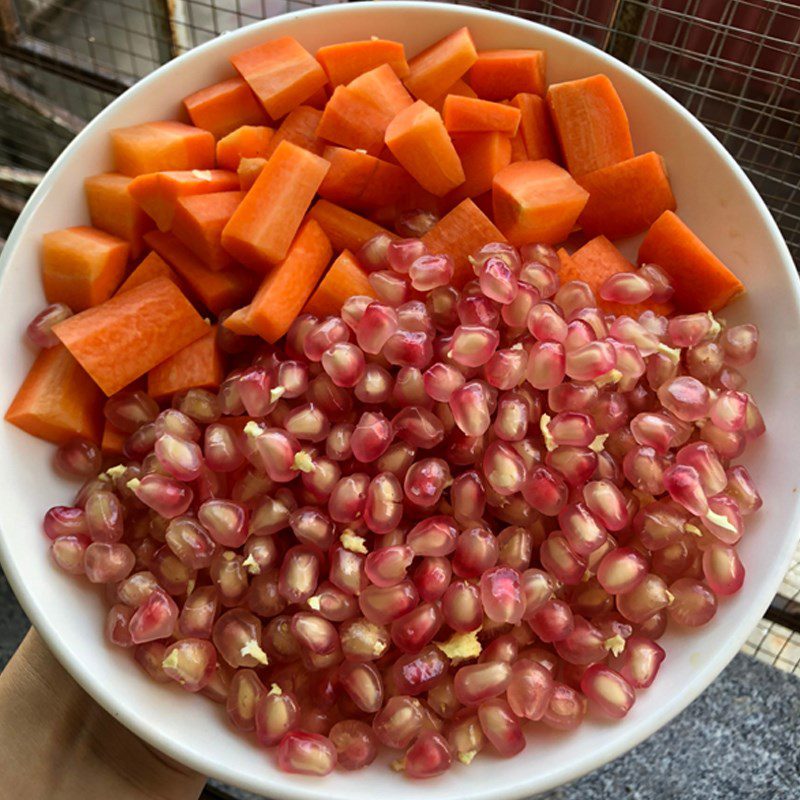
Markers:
point(249, 141)
point(482, 156)
point(284, 292)
point(702, 282)
point(518, 151)
point(344, 279)
point(281, 72)
point(113, 441)
point(227, 288)
point(262, 227)
point(420, 142)
point(151, 266)
point(163, 145)
point(460, 88)
point(596, 261)
point(535, 127)
point(237, 322)
point(129, 334)
point(300, 128)
point(249, 170)
point(460, 233)
point(158, 192)
point(500, 74)
point(470, 115)
point(439, 66)
point(627, 197)
point(318, 99)
point(82, 266)
point(590, 123)
point(58, 400)
point(346, 230)
point(199, 365)
point(198, 223)
point(223, 107)
point(347, 60)
point(536, 201)
point(113, 210)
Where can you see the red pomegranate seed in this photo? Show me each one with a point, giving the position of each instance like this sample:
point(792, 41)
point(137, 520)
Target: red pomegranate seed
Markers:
point(546, 323)
point(607, 689)
point(626, 287)
point(190, 542)
point(574, 295)
point(546, 365)
point(501, 727)
point(552, 621)
point(424, 484)
point(411, 632)
point(78, 458)
point(299, 574)
point(622, 570)
point(478, 682)
point(104, 516)
point(222, 448)
point(243, 697)
point(643, 601)
point(389, 287)
point(107, 562)
point(692, 604)
point(722, 569)
point(432, 577)
point(529, 689)
point(399, 722)
point(545, 490)
point(353, 309)
point(441, 380)
point(516, 312)
point(566, 708)
point(349, 497)
point(371, 437)
point(306, 754)
point(307, 423)
point(355, 742)
point(462, 607)
point(501, 595)
point(740, 344)
point(428, 756)
point(65, 521)
point(476, 551)
point(373, 254)
point(659, 280)
point(415, 673)
point(741, 488)
point(581, 529)
point(430, 271)
point(155, 619)
point(388, 565)
point(383, 605)
point(538, 587)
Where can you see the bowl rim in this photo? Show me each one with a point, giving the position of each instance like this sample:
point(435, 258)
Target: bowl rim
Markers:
point(138, 723)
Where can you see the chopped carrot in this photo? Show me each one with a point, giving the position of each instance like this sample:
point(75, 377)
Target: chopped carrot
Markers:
point(237, 322)
point(433, 71)
point(223, 107)
point(344, 279)
point(82, 266)
point(151, 266)
point(460, 233)
point(318, 99)
point(596, 261)
point(460, 88)
point(58, 400)
point(590, 123)
point(359, 180)
point(129, 334)
point(249, 141)
point(500, 74)
point(113, 441)
point(518, 151)
point(284, 292)
point(535, 127)
point(158, 146)
point(357, 115)
point(198, 223)
point(536, 201)
point(347, 60)
point(482, 156)
point(627, 197)
point(113, 210)
point(158, 192)
point(199, 365)
point(281, 72)
point(299, 127)
point(216, 290)
point(260, 231)
point(420, 142)
point(249, 170)
point(346, 230)
point(702, 282)
point(470, 115)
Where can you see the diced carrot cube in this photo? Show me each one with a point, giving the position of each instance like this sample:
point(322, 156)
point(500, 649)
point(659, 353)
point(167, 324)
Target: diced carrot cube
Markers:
point(249, 141)
point(439, 66)
point(199, 221)
point(500, 74)
point(223, 107)
point(345, 229)
point(151, 266)
point(199, 365)
point(299, 127)
point(344, 279)
point(536, 128)
point(159, 146)
point(482, 156)
point(249, 170)
point(470, 115)
point(113, 210)
point(347, 60)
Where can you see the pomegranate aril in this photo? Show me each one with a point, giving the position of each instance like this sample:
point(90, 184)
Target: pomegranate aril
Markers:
point(432, 577)
point(237, 637)
point(398, 722)
point(741, 488)
point(552, 621)
point(498, 281)
point(427, 757)
point(501, 595)
point(107, 562)
point(165, 495)
point(156, 618)
point(622, 570)
point(244, 694)
point(545, 490)
point(430, 271)
point(515, 313)
point(299, 574)
point(643, 601)
point(639, 662)
point(566, 708)
point(753, 421)
point(222, 448)
point(415, 222)
point(383, 605)
point(501, 727)
point(546, 323)
point(104, 516)
point(546, 365)
point(424, 484)
point(415, 673)
point(149, 657)
point(685, 397)
point(128, 410)
point(574, 295)
point(355, 742)
point(373, 254)
point(608, 690)
point(337, 444)
point(306, 754)
point(584, 644)
point(659, 281)
point(607, 503)
point(390, 288)
point(704, 361)
point(441, 380)
point(478, 682)
point(78, 458)
point(728, 444)
point(740, 344)
point(411, 632)
point(388, 565)
point(626, 287)
point(65, 521)
point(722, 569)
point(371, 437)
point(581, 529)
point(692, 604)
point(462, 606)
point(190, 542)
point(684, 487)
point(476, 551)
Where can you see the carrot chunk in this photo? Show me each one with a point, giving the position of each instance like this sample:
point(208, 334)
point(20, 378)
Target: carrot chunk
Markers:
point(590, 123)
point(113, 210)
point(702, 282)
point(470, 115)
point(419, 141)
point(347, 60)
point(125, 337)
point(627, 197)
point(281, 72)
point(500, 74)
point(460, 88)
point(346, 230)
point(284, 292)
point(535, 127)
point(596, 261)
point(113, 441)
point(249, 141)
point(199, 365)
point(460, 233)
point(237, 322)
point(58, 400)
point(482, 156)
point(223, 107)
point(151, 266)
point(518, 151)
point(158, 192)
point(300, 128)
point(198, 223)
point(439, 66)
point(158, 146)
point(249, 170)
point(216, 290)
point(82, 266)
point(344, 279)
point(262, 227)
point(536, 201)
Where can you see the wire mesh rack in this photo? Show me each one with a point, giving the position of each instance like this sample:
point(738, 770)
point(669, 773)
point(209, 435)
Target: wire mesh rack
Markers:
point(732, 63)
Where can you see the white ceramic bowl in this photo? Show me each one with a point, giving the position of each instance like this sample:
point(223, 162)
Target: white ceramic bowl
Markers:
point(715, 199)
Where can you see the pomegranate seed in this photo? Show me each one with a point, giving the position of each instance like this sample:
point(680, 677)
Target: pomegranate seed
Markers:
point(355, 742)
point(40, 329)
point(546, 323)
point(501, 727)
point(566, 708)
point(430, 271)
point(65, 521)
point(246, 690)
point(546, 365)
point(424, 484)
point(156, 618)
point(660, 282)
point(399, 722)
point(607, 503)
point(722, 569)
point(476, 551)
point(740, 344)
point(729, 411)
point(441, 380)
point(383, 605)
point(501, 595)
point(299, 574)
point(107, 562)
point(78, 458)
point(128, 411)
point(626, 287)
point(306, 754)
point(337, 444)
point(371, 437)
point(684, 487)
point(415, 222)
point(475, 309)
point(505, 253)
point(389, 287)
point(462, 607)
point(408, 349)
point(538, 588)
point(324, 334)
point(589, 362)
point(427, 757)
point(498, 281)
point(353, 309)
point(639, 662)
point(307, 423)
point(222, 449)
point(442, 306)
point(516, 312)
point(692, 604)
point(584, 644)
point(622, 570)
point(375, 385)
point(116, 626)
point(432, 577)
point(741, 488)
point(545, 490)
point(190, 542)
point(411, 632)
point(344, 363)
point(104, 517)
point(165, 495)
point(191, 663)
point(584, 534)
point(552, 621)
point(373, 254)
point(605, 687)
point(402, 253)
point(686, 398)
point(388, 566)
point(643, 601)
point(415, 673)
point(479, 682)
point(574, 295)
